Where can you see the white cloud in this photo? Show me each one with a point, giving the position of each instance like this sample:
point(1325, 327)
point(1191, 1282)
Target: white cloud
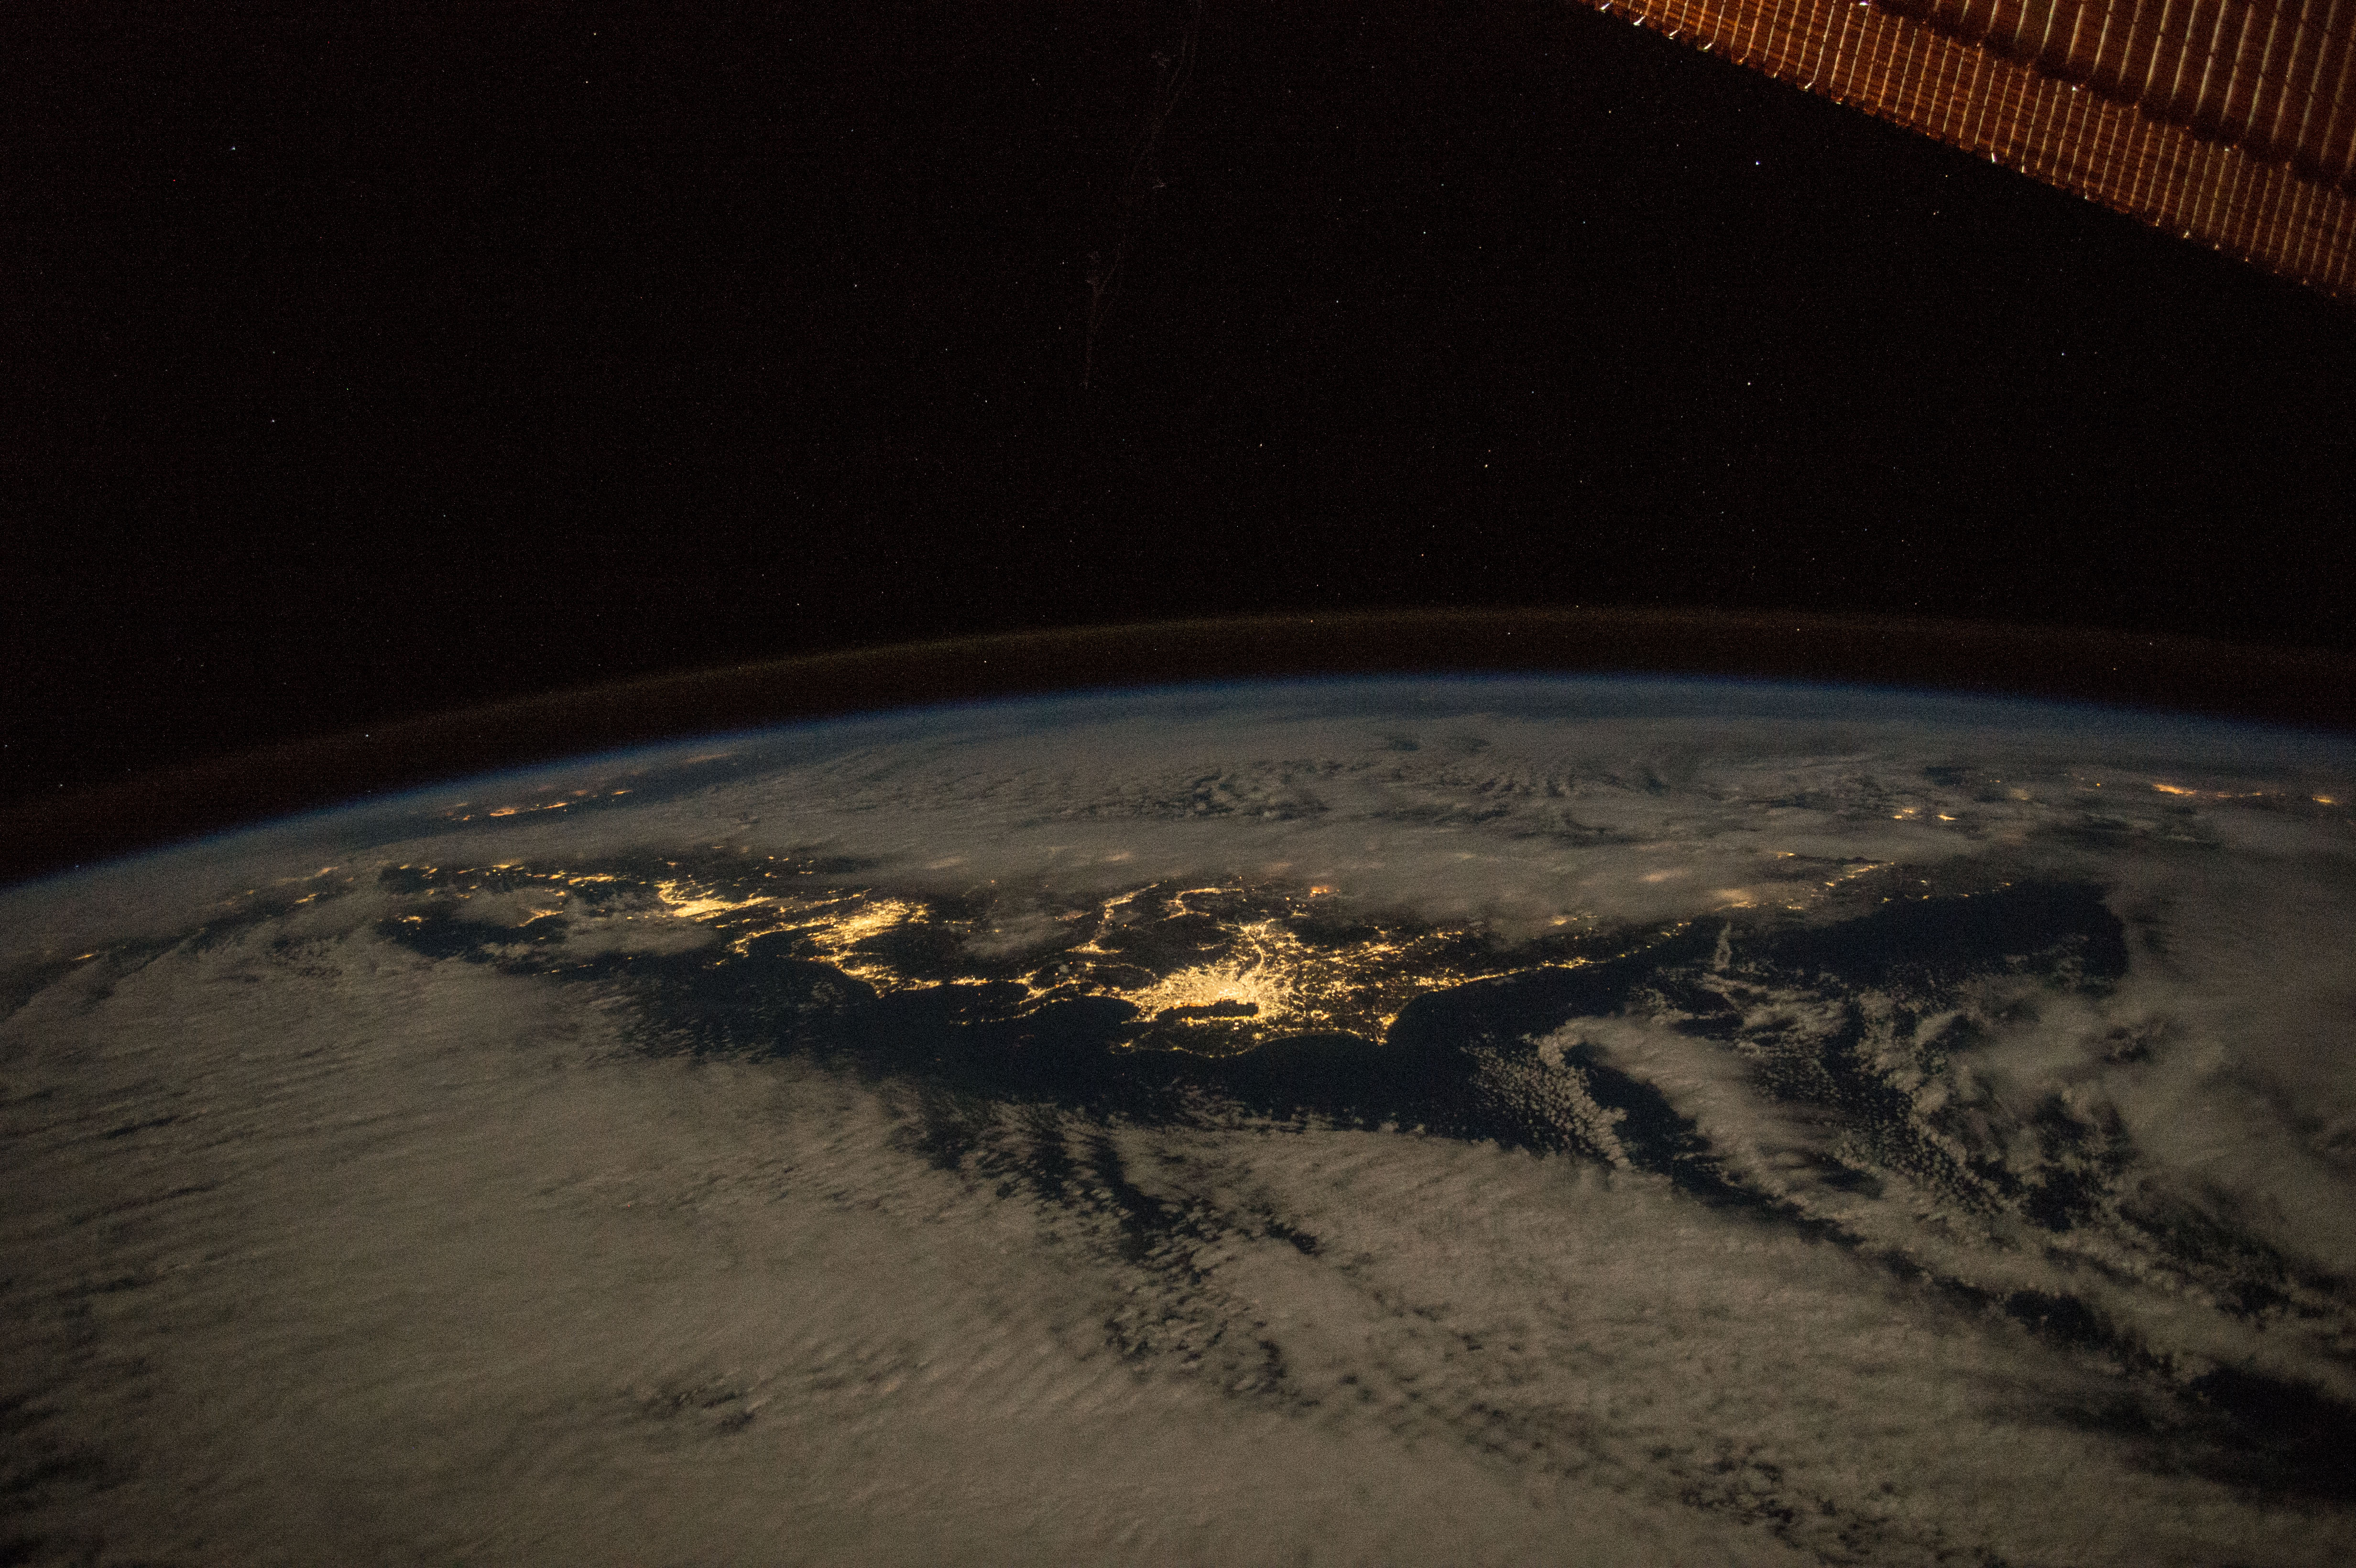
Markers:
point(442, 1245)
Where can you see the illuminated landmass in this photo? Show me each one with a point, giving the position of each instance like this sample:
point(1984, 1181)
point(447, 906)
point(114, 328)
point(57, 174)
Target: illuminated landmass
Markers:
point(1400, 1122)
point(1210, 970)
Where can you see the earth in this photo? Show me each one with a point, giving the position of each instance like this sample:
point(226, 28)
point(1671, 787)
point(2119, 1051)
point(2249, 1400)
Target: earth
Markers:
point(1481, 1120)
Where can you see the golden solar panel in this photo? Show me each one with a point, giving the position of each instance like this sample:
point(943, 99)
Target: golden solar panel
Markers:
point(2230, 123)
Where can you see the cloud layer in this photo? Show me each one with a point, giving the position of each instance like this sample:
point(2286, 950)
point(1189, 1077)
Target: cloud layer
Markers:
point(338, 1250)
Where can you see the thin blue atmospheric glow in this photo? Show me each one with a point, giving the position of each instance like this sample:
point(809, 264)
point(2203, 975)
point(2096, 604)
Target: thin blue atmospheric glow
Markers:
point(1973, 720)
point(1526, 695)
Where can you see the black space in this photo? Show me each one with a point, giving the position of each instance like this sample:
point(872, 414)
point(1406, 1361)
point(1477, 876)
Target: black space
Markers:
point(367, 366)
